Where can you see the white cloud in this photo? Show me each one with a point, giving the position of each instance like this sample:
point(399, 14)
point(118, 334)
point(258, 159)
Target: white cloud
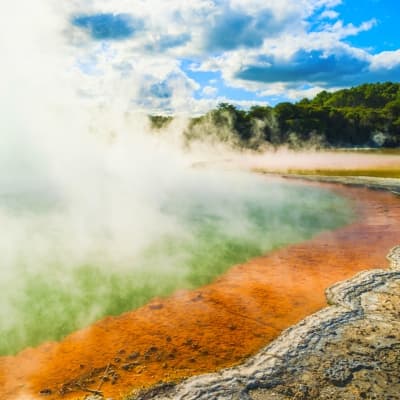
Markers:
point(224, 36)
point(329, 14)
point(298, 65)
point(342, 31)
point(209, 91)
point(193, 29)
point(385, 60)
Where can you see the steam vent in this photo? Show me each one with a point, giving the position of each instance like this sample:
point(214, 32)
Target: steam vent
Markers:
point(148, 351)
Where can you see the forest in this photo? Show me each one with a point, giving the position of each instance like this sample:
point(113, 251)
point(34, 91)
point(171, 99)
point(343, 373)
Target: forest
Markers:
point(364, 116)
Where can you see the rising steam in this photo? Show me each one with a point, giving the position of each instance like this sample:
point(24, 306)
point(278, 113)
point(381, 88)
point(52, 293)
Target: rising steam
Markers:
point(93, 207)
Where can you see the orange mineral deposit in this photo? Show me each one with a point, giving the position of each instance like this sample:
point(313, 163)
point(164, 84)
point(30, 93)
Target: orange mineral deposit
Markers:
point(216, 326)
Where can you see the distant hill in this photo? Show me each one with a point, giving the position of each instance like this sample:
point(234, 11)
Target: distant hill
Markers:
point(364, 116)
point(370, 95)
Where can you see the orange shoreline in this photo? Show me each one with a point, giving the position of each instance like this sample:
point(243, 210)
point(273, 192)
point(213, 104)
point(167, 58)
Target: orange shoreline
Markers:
point(216, 326)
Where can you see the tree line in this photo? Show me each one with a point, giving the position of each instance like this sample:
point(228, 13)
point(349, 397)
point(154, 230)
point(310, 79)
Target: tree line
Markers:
point(364, 116)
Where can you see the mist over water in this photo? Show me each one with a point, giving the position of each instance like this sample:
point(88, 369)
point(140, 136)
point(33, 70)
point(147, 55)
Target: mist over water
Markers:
point(98, 215)
point(62, 270)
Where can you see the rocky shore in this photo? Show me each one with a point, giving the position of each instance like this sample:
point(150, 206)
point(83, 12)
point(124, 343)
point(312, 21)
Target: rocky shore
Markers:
point(349, 350)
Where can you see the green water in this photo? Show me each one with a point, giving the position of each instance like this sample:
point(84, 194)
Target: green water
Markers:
point(215, 231)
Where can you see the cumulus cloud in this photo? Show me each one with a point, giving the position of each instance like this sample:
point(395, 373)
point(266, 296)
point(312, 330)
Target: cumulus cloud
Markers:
point(329, 14)
point(234, 28)
point(298, 65)
point(305, 66)
point(385, 61)
point(108, 26)
point(135, 48)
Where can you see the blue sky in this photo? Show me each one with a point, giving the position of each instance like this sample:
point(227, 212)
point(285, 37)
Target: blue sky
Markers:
point(189, 56)
point(385, 34)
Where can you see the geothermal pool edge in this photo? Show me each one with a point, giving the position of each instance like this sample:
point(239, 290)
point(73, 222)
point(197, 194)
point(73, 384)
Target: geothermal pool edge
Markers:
point(312, 359)
point(196, 339)
point(277, 371)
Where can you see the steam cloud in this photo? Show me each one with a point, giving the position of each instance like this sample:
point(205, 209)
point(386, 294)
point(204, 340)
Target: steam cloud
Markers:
point(85, 188)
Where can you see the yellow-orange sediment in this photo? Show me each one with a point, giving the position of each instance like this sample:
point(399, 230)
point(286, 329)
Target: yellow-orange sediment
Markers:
point(213, 327)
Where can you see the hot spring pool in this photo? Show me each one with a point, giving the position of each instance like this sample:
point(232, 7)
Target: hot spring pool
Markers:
point(65, 267)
